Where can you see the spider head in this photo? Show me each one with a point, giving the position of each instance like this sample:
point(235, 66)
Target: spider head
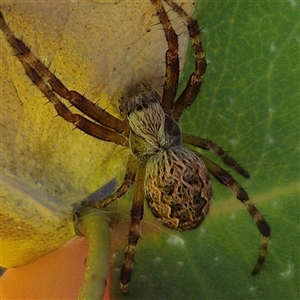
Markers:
point(152, 130)
point(138, 99)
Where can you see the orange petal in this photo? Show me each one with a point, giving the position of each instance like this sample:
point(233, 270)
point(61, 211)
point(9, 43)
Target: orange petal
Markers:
point(57, 275)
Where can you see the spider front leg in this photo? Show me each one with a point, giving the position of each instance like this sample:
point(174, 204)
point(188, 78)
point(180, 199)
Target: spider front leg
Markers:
point(225, 178)
point(109, 128)
point(172, 59)
point(190, 92)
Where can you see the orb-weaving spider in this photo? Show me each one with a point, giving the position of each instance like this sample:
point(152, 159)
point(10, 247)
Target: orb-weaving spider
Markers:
point(173, 178)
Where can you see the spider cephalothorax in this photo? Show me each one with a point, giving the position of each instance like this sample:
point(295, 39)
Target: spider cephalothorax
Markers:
point(151, 129)
point(173, 179)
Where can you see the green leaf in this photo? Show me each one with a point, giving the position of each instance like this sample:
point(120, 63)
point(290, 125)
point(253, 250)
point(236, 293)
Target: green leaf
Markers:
point(248, 104)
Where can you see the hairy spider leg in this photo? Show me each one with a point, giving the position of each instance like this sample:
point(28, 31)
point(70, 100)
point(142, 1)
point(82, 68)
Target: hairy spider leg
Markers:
point(48, 84)
point(207, 144)
point(137, 211)
point(226, 179)
point(192, 88)
point(133, 173)
point(172, 59)
point(128, 181)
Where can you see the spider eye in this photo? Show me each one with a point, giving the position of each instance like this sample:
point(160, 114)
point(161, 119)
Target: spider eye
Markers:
point(141, 106)
point(138, 100)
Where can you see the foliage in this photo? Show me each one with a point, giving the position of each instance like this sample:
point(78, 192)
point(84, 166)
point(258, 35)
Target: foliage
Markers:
point(249, 104)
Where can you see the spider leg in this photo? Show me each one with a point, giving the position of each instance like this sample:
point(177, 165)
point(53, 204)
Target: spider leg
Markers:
point(191, 90)
point(49, 84)
point(137, 211)
point(225, 178)
point(172, 59)
point(207, 144)
point(126, 184)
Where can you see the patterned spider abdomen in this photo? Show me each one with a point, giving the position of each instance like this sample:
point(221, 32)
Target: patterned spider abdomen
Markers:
point(178, 188)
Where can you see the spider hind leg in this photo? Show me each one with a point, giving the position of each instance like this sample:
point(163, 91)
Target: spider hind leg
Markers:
point(123, 188)
point(137, 211)
point(207, 144)
point(225, 178)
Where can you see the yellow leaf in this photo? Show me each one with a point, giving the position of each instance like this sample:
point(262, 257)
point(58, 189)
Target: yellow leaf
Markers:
point(98, 49)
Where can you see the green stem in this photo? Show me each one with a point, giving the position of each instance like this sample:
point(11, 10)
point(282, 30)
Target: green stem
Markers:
point(92, 223)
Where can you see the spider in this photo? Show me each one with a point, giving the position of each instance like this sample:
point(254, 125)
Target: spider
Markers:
point(164, 164)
